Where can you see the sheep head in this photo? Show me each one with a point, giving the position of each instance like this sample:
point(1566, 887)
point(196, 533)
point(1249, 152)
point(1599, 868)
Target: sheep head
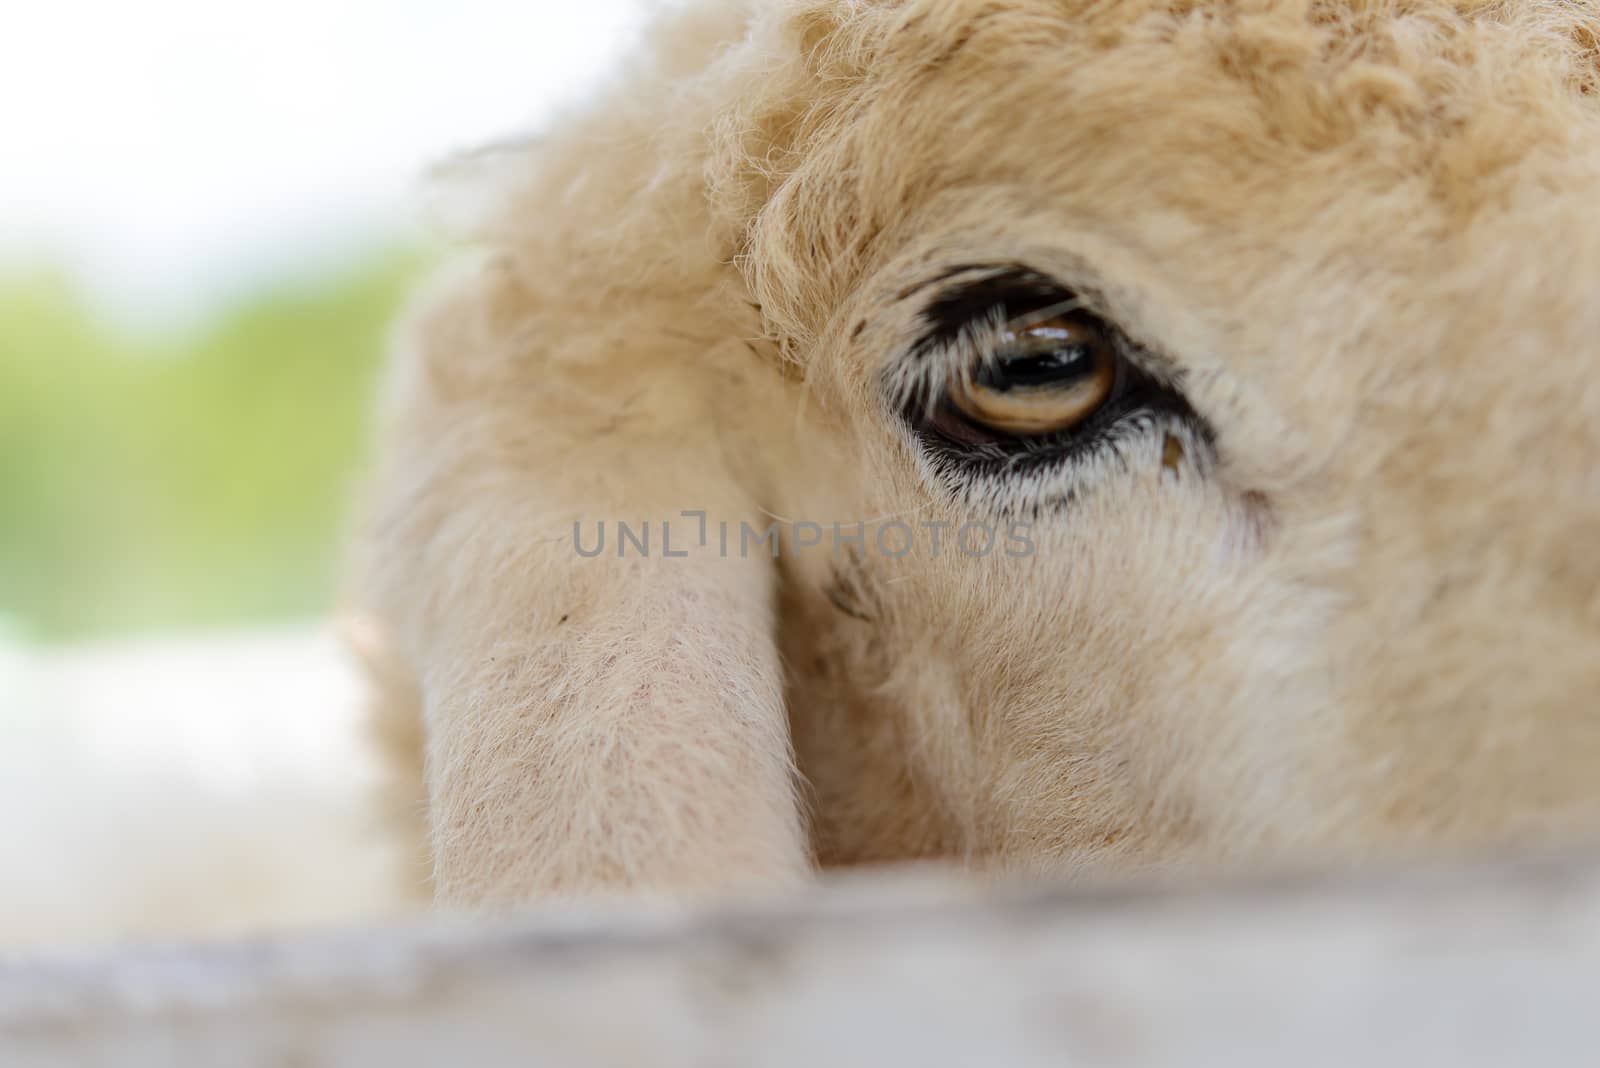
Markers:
point(1181, 422)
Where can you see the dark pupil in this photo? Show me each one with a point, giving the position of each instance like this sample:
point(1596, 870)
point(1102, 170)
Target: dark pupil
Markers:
point(1049, 367)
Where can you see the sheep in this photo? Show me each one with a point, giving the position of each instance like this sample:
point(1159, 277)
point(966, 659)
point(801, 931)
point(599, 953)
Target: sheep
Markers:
point(1037, 436)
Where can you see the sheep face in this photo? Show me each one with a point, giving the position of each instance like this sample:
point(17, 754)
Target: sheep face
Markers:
point(1309, 470)
point(1182, 422)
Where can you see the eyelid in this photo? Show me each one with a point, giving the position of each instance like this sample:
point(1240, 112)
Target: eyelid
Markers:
point(960, 289)
point(957, 305)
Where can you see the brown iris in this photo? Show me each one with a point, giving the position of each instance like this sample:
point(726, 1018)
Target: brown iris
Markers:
point(1044, 377)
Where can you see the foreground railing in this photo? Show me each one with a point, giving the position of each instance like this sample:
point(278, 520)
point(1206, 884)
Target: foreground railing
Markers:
point(1489, 964)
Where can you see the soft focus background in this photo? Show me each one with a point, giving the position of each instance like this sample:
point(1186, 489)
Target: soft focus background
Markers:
point(204, 229)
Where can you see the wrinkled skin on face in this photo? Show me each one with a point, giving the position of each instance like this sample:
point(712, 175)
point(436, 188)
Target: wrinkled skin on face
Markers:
point(1337, 597)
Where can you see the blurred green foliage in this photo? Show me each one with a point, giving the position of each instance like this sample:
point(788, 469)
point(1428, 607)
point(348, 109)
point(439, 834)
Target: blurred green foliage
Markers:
point(192, 479)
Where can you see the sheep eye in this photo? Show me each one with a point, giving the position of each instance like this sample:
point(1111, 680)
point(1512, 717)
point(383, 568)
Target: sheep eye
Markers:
point(1042, 377)
point(1017, 374)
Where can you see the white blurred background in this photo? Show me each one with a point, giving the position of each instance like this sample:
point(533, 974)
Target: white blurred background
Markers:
point(169, 152)
point(204, 226)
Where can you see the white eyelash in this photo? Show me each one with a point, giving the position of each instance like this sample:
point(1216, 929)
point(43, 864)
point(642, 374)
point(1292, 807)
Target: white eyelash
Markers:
point(1033, 490)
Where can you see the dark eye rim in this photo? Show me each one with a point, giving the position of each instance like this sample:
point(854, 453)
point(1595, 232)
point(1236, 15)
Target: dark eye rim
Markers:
point(1139, 400)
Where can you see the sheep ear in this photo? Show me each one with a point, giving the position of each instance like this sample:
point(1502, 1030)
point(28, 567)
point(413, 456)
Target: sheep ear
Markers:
point(597, 665)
